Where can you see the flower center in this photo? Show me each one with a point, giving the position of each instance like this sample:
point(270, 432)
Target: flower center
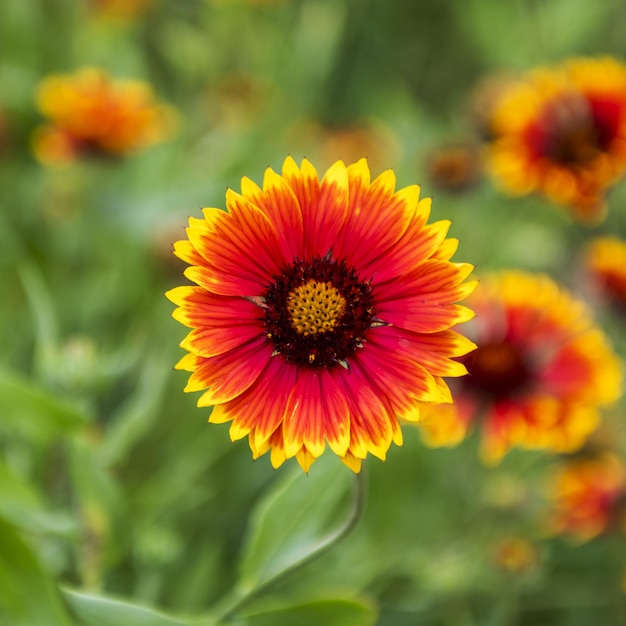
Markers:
point(498, 369)
point(614, 286)
point(569, 132)
point(315, 307)
point(318, 312)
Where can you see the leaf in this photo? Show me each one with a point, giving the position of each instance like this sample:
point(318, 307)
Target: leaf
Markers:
point(335, 612)
point(97, 494)
point(43, 312)
point(137, 416)
point(102, 611)
point(28, 597)
point(21, 504)
point(296, 517)
point(33, 411)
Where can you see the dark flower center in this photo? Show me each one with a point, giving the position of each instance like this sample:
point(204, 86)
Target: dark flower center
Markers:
point(614, 286)
point(318, 312)
point(497, 369)
point(571, 131)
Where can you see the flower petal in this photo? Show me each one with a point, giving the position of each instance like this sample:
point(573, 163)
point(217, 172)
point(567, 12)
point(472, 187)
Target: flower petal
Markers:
point(423, 301)
point(230, 374)
point(377, 217)
point(280, 204)
point(316, 412)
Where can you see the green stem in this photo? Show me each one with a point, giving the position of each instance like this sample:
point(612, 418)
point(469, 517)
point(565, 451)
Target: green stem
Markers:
point(234, 602)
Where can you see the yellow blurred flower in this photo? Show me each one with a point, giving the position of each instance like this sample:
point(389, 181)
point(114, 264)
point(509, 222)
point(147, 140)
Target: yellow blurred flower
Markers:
point(586, 496)
point(515, 555)
point(561, 131)
point(539, 376)
point(90, 113)
point(605, 262)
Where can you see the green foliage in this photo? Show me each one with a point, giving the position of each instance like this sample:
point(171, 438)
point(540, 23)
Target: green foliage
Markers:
point(299, 515)
point(95, 611)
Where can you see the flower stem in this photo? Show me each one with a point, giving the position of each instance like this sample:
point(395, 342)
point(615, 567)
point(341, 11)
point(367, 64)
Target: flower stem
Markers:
point(235, 601)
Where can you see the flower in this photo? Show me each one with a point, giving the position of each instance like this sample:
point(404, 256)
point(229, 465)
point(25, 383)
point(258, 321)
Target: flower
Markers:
point(454, 167)
point(539, 376)
point(562, 131)
point(91, 113)
point(322, 312)
point(514, 555)
point(586, 496)
point(605, 262)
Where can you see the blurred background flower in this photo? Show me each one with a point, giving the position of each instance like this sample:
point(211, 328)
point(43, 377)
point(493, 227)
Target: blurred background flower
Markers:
point(540, 374)
point(605, 264)
point(92, 114)
point(587, 496)
point(562, 131)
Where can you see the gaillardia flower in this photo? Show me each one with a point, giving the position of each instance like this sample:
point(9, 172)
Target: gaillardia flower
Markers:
point(562, 132)
point(322, 312)
point(605, 262)
point(539, 376)
point(90, 113)
point(587, 497)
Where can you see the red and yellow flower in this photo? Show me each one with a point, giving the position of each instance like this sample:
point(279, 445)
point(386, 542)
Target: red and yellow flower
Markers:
point(562, 131)
point(322, 312)
point(605, 262)
point(539, 376)
point(90, 113)
point(587, 497)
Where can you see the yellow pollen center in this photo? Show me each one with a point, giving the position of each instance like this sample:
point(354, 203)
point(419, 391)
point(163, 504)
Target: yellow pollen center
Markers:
point(315, 307)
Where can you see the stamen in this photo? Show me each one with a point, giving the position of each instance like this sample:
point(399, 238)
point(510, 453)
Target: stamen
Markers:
point(315, 307)
point(318, 312)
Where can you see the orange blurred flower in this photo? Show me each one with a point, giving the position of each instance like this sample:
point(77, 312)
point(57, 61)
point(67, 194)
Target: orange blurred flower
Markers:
point(91, 113)
point(562, 131)
point(454, 167)
point(586, 496)
point(514, 555)
point(605, 262)
point(539, 375)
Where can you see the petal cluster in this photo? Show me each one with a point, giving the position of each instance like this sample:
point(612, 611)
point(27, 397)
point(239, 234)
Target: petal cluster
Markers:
point(90, 113)
point(561, 131)
point(393, 287)
point(540, 375)
point(587, 495)
point(605, 264)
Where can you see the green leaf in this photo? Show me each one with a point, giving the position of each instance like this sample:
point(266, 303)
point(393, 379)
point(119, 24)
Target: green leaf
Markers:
point(101, 611)
point(35, 412)
point(22, 504)
point(298, 515)
point(137, 416)
point(97, 494)
point(44, 316)
point(336, 612)
point(28, 597)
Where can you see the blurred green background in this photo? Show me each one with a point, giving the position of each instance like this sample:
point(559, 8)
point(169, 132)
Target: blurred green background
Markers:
point(119, 505)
